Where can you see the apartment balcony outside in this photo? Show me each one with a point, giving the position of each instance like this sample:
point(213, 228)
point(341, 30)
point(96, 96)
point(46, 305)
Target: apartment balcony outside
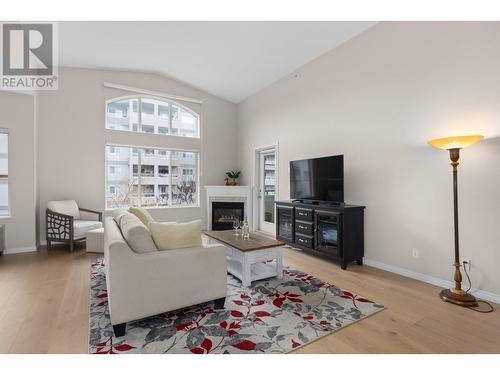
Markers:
point(162, 177)
point(156, 117)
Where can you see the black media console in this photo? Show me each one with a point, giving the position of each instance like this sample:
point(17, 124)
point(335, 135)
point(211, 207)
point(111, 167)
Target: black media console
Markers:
point(335, 231)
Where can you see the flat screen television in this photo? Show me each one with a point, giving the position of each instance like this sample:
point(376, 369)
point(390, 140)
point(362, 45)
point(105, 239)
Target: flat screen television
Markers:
point(319, 179)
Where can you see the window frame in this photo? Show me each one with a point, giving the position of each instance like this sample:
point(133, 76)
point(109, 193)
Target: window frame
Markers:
point(196, 175)
point(6, 178)
point(139, 98)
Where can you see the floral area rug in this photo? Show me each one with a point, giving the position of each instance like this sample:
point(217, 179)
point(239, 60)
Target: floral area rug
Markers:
point(271, 316)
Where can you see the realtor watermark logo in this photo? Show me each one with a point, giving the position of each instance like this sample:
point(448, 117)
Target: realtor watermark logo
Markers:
point(29, 56)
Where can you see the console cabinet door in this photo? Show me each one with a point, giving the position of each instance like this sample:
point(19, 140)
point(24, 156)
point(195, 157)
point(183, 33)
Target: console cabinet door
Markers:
point(328, 232)
point(284, 223)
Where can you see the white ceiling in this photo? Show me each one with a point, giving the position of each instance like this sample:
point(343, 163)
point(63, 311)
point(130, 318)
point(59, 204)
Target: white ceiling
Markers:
point(231, 60)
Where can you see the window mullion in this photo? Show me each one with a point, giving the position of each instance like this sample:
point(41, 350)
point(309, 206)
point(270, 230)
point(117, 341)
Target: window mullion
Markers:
point(196, 176)
point(139, 175)
point(169, 118)
point(170, 171)
point(139, 114)
point(130, 115)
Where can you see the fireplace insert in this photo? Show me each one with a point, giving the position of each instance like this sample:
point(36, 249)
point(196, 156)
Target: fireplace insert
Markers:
point(225, 213)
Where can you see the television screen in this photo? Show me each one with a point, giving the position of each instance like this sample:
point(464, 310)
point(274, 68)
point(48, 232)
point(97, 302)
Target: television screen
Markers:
point(320, 179)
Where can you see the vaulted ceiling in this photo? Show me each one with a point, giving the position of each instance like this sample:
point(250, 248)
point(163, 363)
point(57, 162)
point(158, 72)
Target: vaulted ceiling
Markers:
point(231, 60)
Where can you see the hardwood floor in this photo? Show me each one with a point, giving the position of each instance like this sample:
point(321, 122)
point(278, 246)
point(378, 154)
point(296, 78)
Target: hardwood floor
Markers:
point(44, 309)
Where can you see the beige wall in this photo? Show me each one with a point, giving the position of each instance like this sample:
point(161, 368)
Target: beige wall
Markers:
point(17, 115)
point(377, 99)
point(72, 138)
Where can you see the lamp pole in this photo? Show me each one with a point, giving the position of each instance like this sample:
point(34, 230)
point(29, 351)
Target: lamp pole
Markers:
point(456, 295)
point(453, 145)
point(454, 156)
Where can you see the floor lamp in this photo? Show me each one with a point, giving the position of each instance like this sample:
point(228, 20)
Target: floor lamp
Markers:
point(453, 145)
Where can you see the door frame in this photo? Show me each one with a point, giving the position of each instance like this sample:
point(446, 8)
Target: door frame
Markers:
point(256, 183)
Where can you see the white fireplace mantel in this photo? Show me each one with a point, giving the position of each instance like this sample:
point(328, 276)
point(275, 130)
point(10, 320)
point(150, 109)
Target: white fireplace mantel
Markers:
point(222, 193)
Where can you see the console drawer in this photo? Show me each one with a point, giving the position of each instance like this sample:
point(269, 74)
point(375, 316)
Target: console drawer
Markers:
point(306, 241)
point(304, 228)
point(304, 214)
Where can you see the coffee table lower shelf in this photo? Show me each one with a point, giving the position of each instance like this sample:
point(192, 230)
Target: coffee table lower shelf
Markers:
point(258, 271)
point(250, 266)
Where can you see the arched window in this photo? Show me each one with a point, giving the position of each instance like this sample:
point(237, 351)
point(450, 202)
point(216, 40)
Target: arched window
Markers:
point(148, 175)
point(145, 114)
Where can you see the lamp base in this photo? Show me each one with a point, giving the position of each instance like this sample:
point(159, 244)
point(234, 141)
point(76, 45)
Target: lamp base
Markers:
point(458, 297)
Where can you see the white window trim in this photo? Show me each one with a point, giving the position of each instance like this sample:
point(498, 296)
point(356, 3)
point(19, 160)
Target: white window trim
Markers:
point(7, 215)
point(167, 142)
point(158, 94)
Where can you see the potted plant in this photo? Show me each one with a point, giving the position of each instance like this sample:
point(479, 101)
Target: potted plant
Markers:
point(233, 176)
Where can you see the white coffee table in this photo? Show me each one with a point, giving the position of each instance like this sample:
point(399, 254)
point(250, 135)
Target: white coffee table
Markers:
point(259, 257)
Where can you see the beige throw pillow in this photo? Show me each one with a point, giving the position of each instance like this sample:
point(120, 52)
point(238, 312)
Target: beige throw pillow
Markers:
point(142, 214)
point(169, 236)
point(136, 234)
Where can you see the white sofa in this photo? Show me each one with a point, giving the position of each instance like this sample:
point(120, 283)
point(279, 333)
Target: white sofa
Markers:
point(142, 285)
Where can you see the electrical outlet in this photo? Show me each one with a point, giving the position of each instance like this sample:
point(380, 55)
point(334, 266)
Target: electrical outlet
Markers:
point(466, 263)
point(414, 253)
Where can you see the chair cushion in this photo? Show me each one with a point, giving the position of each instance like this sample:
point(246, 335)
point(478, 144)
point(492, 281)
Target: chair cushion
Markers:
point(82, 227)
point(68, 207)
point(142, 214)
point(136, 234)
point(169, 235)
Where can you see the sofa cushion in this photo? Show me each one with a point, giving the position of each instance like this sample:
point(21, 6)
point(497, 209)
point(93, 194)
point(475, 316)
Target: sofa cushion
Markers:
point(136, 234)
point(118, 213)
point(170, 235)
point(68, 207)
point(142, 214)
point(82, 227)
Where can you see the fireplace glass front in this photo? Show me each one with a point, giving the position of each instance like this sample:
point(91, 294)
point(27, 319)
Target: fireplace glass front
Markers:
point(225, 213)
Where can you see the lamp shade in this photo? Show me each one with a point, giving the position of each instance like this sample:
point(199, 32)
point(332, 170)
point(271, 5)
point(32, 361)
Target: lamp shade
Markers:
point(455, 142)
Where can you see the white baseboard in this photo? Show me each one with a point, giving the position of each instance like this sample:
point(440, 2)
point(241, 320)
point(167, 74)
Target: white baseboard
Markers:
point(17, 250)
point(481, 294)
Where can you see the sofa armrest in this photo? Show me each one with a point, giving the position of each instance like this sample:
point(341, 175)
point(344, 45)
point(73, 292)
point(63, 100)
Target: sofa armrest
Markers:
point(141, 285)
